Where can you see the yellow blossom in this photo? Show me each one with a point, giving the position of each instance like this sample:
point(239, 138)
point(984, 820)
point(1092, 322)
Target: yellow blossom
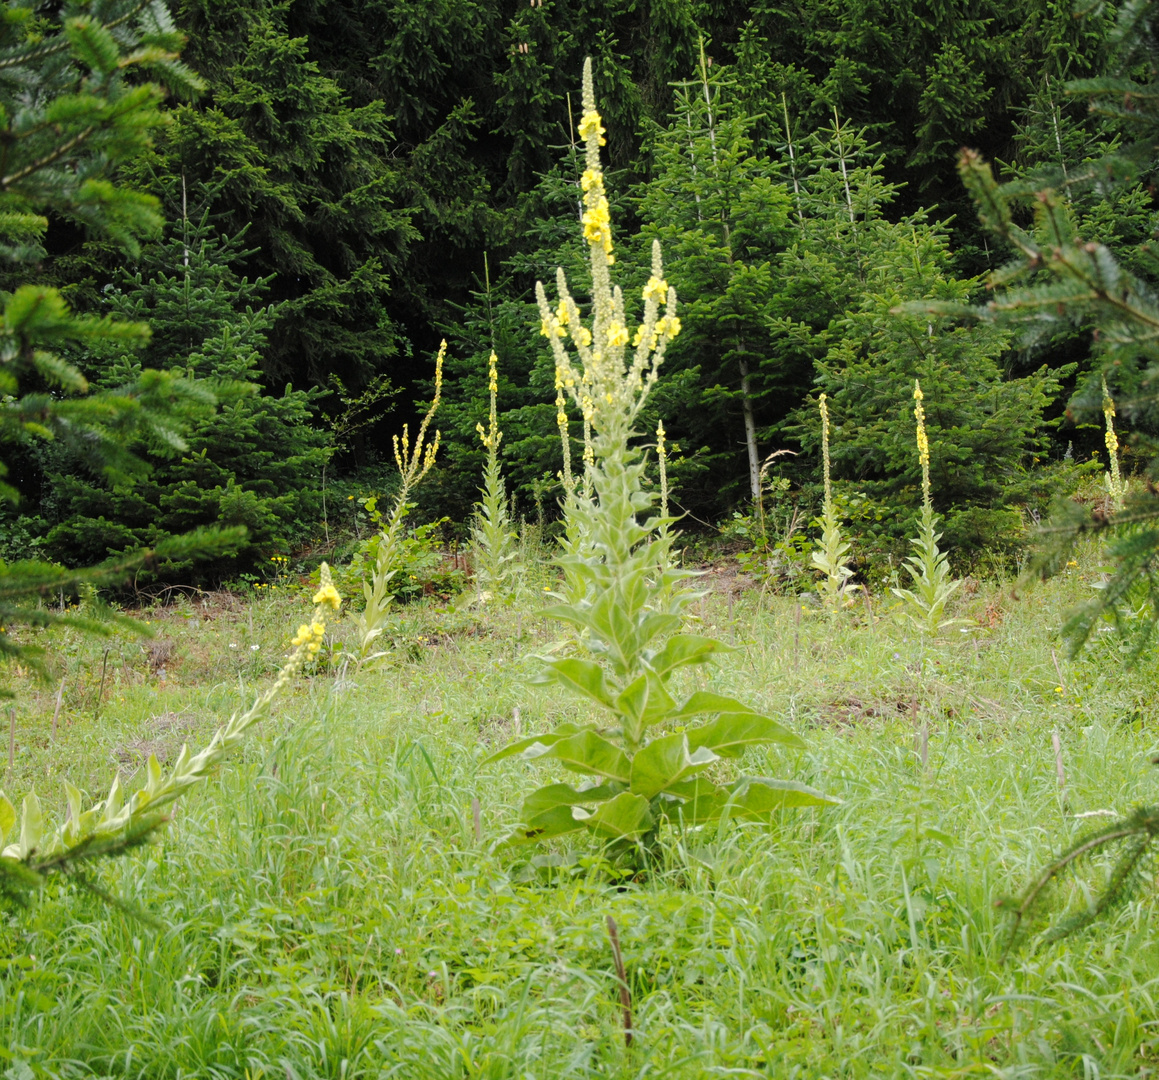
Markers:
point(583, 335)
point(656, 289)
point(617, 334)
point(591, 178)
point(328, 595)
point(669, 325)
point(590, 125)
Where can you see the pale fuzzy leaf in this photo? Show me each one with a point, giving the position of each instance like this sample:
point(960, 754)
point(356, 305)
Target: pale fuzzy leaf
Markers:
point(31, 825)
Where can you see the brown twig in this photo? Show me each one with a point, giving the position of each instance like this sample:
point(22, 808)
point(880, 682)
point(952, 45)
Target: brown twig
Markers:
point(625, 995)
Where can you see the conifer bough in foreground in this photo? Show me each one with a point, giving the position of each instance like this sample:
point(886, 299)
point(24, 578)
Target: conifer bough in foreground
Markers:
point(626, 596)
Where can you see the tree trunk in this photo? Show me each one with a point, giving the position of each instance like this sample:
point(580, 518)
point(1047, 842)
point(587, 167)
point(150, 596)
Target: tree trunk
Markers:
point(750, 433)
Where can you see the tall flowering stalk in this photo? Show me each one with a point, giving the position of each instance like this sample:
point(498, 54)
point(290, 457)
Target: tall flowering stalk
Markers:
point(831, 556)
point(103, 828)
point(413, 462)
point(1116, 488)
point(929, 566)
point(623, 596)
point(492, 535)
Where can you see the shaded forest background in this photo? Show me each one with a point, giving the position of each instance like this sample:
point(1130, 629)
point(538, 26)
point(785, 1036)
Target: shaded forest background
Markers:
point(358, 181)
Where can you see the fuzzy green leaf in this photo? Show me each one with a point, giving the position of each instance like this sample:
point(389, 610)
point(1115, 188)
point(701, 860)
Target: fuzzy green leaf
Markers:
point(666, 761)
point(626, 817)
point(553, 795)
point(731, 734)
point(587, 753)
point(683, 649)
point(759, 796)
point(520, 745)
point(583, 676)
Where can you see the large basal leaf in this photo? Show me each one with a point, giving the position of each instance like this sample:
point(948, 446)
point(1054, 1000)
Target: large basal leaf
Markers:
point(666, 761)
point(583, 676)
point(626, 817)
point(694, 802)
point(759, 796)
point(731, 734)
point(553, 795)
point(588, 753)
point(521, 745)
point(554, 822)
point(684, 649)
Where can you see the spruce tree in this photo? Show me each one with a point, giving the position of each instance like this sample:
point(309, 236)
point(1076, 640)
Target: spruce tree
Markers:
point(254, 462)
point(75, 104)
point(722, 218)
point(985, 430)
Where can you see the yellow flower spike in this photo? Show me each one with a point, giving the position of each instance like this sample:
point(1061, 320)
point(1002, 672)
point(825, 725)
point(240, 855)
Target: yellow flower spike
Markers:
point(302, 636)
point(591, 178)
point(1114, 478)
point(583, 335)
point(922, 441)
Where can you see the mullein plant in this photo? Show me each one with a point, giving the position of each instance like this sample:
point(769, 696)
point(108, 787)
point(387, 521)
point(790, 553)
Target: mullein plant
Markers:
point(645, 756)
point(929, 566)
point(493, 538)
point(831, 556)
point(1116, 486)
point(414, 462)
point(31, 849)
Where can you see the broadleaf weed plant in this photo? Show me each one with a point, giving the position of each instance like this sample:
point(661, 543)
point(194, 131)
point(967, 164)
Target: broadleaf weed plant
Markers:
point(1113, 478)
point(831, 556)
point(494, 544)
point(929, 566)
point(642, 760)
point(31, 850)
point(414, 462)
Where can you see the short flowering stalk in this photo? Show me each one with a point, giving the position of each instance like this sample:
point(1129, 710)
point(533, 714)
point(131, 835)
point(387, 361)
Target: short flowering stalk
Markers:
point(115, 817)
point(1116, 488)
point(492, 534)
point(662, 462)
point(622, 596)
point(414, 462)
point(831, 556)
point(929, 566)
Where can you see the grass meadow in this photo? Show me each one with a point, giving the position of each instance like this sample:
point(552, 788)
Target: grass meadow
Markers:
point(325, 908)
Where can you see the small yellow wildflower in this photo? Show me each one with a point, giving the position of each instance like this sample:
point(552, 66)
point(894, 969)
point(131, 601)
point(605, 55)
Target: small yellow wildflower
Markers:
point(591, 178)
point(583, 335)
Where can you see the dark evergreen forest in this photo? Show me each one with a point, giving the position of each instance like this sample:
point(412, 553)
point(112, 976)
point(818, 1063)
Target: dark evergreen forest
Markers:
point(354, 182)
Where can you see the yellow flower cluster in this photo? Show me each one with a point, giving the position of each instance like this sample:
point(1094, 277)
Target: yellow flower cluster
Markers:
point(656, 289)
point(591, 125)
point(491, 436)
point(597, 222)
point(310, 635)
point(414, 465)
point(606, 385)
point(328, 595)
